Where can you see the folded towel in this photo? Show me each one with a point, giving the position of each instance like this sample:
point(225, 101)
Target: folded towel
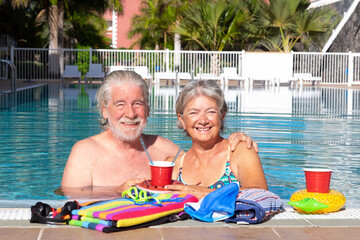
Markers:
point(255, 206)
point(110, 226)
point(122, 213)
point(217, 205)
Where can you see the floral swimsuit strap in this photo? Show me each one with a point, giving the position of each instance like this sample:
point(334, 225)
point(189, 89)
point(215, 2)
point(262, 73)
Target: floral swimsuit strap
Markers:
point(227, 177)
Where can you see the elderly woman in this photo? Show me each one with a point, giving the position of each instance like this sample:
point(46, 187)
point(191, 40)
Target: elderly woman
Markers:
point(209, 163)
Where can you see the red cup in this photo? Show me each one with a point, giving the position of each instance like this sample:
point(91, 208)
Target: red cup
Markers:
point(317, 180)
point(161, 173)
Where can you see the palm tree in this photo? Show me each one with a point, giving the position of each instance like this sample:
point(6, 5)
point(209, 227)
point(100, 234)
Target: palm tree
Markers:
point(17, 23)
point(212, 25)
point(152, 26)
point(17, 3)
point(286, 22)
point(148, 24)
point(73, 10)
point(55, 11)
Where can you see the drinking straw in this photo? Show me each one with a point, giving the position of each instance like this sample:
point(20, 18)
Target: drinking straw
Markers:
point(147, 153)
point(177, 154)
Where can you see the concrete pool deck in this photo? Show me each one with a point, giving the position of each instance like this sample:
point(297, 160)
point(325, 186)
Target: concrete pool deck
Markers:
point(344, 224)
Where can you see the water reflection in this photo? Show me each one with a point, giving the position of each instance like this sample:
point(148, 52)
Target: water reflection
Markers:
point(299, 101)
point(283, 100)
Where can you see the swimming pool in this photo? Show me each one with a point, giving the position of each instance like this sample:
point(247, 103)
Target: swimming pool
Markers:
point(295, 128)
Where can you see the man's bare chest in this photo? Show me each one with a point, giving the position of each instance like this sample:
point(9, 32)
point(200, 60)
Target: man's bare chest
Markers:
point(114, 172)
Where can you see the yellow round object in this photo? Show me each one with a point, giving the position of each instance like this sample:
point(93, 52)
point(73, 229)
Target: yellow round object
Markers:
point(334, 199)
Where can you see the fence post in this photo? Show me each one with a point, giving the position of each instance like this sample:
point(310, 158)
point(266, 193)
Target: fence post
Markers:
point(292, 63)
point(350, 69)
point(167, 60)
point(12, 54)
point(90, 57)
point(61, 60)
point(243, 73)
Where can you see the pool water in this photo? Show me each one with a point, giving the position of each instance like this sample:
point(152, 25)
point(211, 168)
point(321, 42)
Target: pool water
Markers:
point(295, 128)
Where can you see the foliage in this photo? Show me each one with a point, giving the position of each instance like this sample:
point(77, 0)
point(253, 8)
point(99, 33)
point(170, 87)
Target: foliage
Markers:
point(18, 23)
point(83, 59)
point(212, 25)
point(285, 22)
point(215, 25)
point(17, 3)
point(88, 29)
point(152, 26)
point(83, 21)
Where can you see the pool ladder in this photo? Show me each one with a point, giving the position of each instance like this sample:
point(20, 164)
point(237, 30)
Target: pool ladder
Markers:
point(13, 74)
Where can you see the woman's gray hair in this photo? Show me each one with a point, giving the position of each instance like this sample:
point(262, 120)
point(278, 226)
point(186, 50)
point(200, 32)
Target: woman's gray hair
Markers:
point(208, 88)
point(103, 95)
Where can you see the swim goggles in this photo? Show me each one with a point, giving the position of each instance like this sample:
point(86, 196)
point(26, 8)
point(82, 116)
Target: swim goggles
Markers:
point(140, 197)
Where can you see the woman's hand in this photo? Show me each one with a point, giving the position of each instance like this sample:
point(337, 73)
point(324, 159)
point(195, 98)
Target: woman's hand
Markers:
point(197, 191)
point(128, 184)
point(238, 137)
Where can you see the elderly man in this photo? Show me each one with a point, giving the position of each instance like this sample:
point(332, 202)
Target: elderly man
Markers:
point(110, 162)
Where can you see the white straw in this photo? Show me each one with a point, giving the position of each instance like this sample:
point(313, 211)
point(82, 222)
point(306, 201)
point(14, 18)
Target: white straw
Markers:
point(147, 153)
point(177, 154)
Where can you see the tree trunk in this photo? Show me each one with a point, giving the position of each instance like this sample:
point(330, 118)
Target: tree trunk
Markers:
point(215, 64)
point(61, 34)
point(61, 24)
point(53, 26)
point(53, 41)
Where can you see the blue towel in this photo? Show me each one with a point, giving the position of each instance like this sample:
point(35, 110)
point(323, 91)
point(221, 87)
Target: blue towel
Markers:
point(217, 205)
point(255, 206)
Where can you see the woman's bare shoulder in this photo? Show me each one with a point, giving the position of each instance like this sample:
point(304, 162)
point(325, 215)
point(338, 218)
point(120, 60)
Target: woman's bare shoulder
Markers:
point(242, 148)
point(243, 153)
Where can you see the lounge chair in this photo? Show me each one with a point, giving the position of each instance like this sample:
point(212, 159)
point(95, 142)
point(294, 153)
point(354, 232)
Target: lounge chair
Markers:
point(171, 76)
point(230, 73)
point(209, 76)
point(71, 71)
point(115, 68)
point(266, 80)
point(143, 71)
point(95, 71)
point(307, 77)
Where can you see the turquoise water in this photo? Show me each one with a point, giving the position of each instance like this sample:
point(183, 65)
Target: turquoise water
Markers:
point(312, 127)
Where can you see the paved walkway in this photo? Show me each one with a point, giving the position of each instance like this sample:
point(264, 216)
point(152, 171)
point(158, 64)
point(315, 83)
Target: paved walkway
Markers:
point(176, 233)
point(287, 225)
point(5, 85)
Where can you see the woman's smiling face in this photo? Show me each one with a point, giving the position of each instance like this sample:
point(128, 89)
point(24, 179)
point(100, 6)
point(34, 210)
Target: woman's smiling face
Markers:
point(202, 119)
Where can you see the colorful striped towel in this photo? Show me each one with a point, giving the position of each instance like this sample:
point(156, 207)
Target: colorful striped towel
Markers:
point(123, 213)
point(256, 205)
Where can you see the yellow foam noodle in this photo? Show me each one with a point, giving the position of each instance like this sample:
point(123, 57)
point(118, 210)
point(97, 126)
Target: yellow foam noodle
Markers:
point(334, 199)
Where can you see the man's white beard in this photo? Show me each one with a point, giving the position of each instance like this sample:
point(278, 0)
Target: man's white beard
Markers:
point(127, 135)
